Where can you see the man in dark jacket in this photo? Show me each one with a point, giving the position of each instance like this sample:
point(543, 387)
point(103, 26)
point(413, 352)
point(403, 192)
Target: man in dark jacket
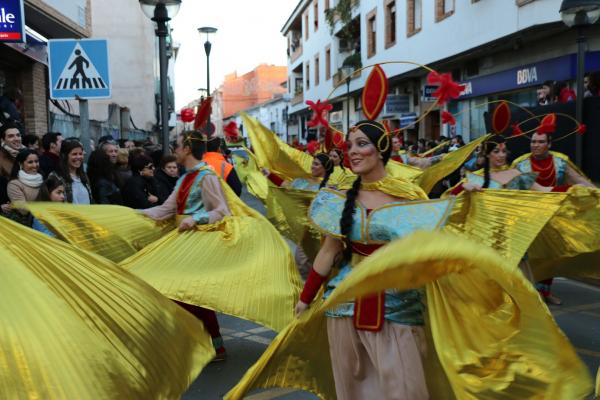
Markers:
point(139, 191)
point(50, 159)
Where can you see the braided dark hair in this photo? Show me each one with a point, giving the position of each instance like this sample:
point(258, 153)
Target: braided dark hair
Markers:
point(378, 136)
point(489, 146)
point(327, 165)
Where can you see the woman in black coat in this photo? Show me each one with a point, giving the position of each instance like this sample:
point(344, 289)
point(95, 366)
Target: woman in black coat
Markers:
point(139, 191)
point(103, 177)
point(166, 178)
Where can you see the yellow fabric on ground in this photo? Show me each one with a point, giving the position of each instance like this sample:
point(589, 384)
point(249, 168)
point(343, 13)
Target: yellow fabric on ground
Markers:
point(76, 326)
point(113, 232)
point(494, 337)
point(240, 266)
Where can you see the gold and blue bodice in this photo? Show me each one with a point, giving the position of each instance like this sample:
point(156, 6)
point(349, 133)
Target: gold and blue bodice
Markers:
point(304, 184)
point(560, 167)
point(519, 182)
point(389, 222)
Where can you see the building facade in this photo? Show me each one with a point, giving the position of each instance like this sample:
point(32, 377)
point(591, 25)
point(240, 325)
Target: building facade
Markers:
point(499, 49)
point(23, 66)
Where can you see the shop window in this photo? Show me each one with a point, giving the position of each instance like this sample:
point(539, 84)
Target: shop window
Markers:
point(414, 16)
point(390, 23)
point(443, 9)
point(372, 33)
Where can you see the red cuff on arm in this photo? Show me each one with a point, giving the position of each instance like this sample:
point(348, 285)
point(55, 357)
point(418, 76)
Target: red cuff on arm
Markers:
point(275, 179)
point(457, 190)
point(561, 188)
point(312, 286)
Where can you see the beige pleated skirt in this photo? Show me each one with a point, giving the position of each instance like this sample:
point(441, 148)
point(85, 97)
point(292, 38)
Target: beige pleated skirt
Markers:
point(384, 365)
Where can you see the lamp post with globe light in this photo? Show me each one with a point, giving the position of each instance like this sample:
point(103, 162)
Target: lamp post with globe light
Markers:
point(208, 30)
point(161, 12)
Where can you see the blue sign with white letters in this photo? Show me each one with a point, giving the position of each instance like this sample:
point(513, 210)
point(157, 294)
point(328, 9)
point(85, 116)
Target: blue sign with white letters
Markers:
point(79, 69)
point(12, 21)
point(556, 69)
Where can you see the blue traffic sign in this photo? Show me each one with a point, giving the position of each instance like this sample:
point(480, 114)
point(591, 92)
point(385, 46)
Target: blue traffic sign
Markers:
point(12, 21)
point(79, 68)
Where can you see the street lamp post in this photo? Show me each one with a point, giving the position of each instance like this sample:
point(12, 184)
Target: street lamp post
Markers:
point(161, 12)
point(579, 14)
point(207, 47)
point(348, 71)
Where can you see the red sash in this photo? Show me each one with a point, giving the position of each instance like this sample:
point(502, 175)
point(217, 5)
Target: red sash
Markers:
point(184, 191)
point(369, 311)
point(546, 170)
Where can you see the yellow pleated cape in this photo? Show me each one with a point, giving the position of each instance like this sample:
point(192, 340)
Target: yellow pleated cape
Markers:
point(76, 326)
point(239, 266)
point(493, 337)
point(114, 232)
point(289, 163)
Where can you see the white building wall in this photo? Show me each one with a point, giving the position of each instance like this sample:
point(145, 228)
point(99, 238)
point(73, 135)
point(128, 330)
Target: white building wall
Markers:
point(131, 53)
point(471, 25)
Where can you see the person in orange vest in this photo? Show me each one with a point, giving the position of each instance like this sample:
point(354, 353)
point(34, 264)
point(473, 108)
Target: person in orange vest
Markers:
point(216, 160)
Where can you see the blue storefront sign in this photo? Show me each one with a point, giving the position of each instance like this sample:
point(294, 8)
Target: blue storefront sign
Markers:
point(556, 69)
point(428, 93)
point(407, 119)
point(397, 103)
point(12, 21)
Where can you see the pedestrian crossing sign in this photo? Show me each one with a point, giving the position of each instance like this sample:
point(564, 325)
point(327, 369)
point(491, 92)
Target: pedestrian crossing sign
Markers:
point(79, 69)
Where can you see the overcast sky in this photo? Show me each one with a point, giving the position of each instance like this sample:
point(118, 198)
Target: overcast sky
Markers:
point(248, 34)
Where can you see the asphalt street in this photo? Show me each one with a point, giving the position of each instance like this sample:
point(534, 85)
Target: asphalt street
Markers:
point(578, 317)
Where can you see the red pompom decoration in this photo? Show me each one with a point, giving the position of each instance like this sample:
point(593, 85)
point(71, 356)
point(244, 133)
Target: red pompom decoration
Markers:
point(516, 130)
point(320, 111)
point(187, 115)
point(447, 90)
point(448, 118)
point(312, 147)
point(581, 129)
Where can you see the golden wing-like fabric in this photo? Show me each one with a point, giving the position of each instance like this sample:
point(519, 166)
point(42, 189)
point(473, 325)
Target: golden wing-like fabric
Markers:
point(250, 175)
point(450, 163)
point(507, 221)
point(494, 337)
point(270, 152)
point(287, 209)
point(76, 326)
point(570, 244)
point(113, 232)
point(240, 266)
